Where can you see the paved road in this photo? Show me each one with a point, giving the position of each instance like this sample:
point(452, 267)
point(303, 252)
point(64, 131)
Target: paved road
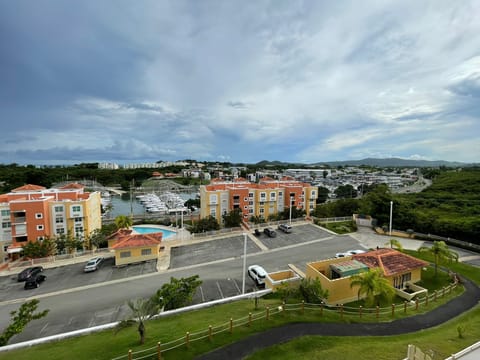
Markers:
point(242, 348)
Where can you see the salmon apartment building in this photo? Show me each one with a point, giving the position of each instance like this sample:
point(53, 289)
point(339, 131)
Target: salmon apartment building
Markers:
point(262, 199)
point(31, 213)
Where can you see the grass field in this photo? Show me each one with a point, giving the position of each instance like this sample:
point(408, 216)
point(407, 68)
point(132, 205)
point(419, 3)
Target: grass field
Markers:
point(106, 345)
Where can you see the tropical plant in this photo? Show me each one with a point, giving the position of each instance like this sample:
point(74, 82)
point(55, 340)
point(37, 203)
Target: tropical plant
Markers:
point(141, 311)
point(233, 218)
point(440, 251)
point(176, 294)
point(373, 285)
point(123, 221)
point(20, 319)
point(311, 290)
point(394, 243)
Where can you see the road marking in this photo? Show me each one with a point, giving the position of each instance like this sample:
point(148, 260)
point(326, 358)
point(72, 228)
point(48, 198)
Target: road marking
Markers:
point(43, 328)
point(236, 285)
point(201, 293)
point(220, 290)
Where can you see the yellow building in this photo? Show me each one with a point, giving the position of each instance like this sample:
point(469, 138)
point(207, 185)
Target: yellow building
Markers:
point(133, 248)
point(268, 197)
point(400, 269)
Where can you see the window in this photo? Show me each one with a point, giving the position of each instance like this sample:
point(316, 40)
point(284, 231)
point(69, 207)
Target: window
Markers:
point(213, 212)
point(78, 219)
point(250, 195)
point(263, 196)
point(78, 230)
point(6, 225)
point(60, 231)
point(58, 208)
point(250, 203)
point(38, 216)
point(39, 227)
point(76, 208)
point(59, 220)
point(262, 211)
point(125, 254)
point(40, 238)
point(213, 199)
point(146, 252)
point(245, 199)
point(280, 193)
point(5, 213)
point(273, 196)
point(314, 193)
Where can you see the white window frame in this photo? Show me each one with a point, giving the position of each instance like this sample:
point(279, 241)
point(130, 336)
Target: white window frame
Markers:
point(40, 227)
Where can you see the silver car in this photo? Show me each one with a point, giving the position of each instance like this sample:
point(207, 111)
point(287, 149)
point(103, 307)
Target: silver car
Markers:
point(93, 264)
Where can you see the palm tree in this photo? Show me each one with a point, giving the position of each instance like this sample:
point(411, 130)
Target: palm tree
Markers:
point(123, 222)
point(373, 285)
point(141, 311)
point(440, 251)
point(394, 243)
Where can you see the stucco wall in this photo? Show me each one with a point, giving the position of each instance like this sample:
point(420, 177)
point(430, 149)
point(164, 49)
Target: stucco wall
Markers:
point(135, 255)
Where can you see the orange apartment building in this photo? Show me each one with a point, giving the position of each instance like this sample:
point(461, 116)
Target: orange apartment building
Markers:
point(31, 213)
point(268, 197)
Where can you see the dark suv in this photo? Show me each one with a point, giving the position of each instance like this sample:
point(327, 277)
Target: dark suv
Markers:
point(29, 272)
point(34, 281)
point(270, 232)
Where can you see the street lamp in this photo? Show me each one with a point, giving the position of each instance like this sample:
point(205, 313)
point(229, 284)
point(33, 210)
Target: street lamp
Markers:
point(391, 208)
point(244, 261)
point(291, 201)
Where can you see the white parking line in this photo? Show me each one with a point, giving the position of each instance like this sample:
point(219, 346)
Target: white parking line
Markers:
point(201, 293)
point(43, 328)
point(220, 290)
point(236, 285)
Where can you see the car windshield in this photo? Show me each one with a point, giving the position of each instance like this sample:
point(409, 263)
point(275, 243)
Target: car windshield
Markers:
point(90, 263)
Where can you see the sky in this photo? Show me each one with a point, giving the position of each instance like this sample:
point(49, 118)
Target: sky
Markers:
point(238, 81)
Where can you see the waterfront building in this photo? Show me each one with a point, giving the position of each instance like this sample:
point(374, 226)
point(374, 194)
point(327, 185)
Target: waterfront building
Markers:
point(263, 199)
point(31, 213)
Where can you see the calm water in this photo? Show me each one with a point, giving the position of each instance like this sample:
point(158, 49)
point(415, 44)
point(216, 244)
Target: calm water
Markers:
point(123, 206)
point(150, 230)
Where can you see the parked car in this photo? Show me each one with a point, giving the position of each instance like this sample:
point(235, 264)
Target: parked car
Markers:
point(355, 252)
point(270, 232)
point(34, 281)
point(285, 228)
point(257, 232)
point(93, 264)
point(341, 255)
point(257, 273)
point(29, 272)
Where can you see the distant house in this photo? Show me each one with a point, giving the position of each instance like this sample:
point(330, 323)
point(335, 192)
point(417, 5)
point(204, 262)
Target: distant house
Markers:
point(133, 248)
point(400, 269)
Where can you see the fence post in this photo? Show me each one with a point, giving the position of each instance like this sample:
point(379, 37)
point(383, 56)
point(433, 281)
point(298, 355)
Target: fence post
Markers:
point(187, 339)
point(321, 309)
point(405, 306)
point(443, 294)
point(249, 318)
point(268, 313)
point(416, 303)
point(377, 311)
point(303, 307)
point(210, 332)
point(159, 351)
point(426, 300)
point(393, 310)
point(360, 311)
point(130, 354)
point(231, 325)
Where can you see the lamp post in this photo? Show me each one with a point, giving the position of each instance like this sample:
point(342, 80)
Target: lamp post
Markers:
point(391, 208)
point(290, 219)
point(244, 261)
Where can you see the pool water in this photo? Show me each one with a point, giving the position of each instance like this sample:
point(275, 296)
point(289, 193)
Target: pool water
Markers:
point(150, 230)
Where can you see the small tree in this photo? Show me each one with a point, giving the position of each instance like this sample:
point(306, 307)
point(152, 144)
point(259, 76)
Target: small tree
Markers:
point(287, 290)
point(123, 222)
point(141, 311)
point(440, 251)
point(394, 243)
point(373, 285)
point(20, 319)
point(311, 290)
point(178, 293)
point(233, 218)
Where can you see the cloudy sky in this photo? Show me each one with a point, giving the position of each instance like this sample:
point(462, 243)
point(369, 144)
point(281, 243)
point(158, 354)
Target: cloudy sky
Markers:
point(239, 81)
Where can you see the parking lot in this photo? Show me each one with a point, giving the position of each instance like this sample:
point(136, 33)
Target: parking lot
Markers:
point(300, 234)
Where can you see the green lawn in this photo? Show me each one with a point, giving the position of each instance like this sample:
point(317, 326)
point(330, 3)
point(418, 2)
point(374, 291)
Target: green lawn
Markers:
point(106, 345)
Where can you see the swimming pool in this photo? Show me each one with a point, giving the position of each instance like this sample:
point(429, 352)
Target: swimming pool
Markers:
point(151, 229)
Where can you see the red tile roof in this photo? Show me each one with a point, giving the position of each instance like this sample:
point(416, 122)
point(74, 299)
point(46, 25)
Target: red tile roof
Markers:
point(391, 261)
point(138, 240)
point(72, 186)
point(29, 187)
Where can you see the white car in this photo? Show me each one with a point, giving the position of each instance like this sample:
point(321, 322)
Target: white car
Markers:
point(341, 255)
point(355, 252)
point(93, 264)
point(257, 273)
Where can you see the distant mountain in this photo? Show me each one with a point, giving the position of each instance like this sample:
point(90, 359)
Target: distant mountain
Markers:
point(389, 162)
point(395, 162)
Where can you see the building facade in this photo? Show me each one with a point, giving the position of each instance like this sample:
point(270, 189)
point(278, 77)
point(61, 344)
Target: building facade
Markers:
point(266, 198)
point(31, 213)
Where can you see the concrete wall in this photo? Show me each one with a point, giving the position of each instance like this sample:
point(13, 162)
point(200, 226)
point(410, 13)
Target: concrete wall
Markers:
point(276, 279)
